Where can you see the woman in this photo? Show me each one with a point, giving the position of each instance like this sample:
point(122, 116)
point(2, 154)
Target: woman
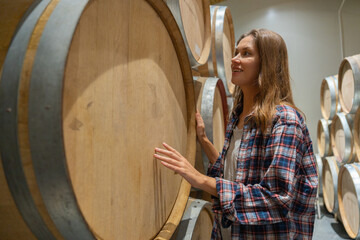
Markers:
point(264, 182)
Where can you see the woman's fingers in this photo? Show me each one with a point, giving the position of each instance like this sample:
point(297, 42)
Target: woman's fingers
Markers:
point(199, 119)
point(172, 149)
point(168, 153)
point(169, 166)
point(168, 160)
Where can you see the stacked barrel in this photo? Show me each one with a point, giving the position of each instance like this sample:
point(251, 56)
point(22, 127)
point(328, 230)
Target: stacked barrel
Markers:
point(85, 97)
point(339, 144)
point(210, 43)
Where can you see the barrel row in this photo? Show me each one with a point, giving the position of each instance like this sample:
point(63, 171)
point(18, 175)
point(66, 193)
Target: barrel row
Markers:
point(213, 96)
point(338, 131)
point(338, 145)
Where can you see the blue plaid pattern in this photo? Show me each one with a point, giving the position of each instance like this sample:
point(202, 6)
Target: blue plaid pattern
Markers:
point(276, 181)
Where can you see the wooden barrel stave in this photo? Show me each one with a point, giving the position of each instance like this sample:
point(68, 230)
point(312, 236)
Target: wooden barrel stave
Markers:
point(62, 180)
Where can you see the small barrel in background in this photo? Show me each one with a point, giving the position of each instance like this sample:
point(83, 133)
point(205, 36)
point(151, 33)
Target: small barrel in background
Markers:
point(349, 198)
point(342, 137)
point(323, 138)
point(330, 183)
point(349, 83)
point(329, 98)
point(197, 221)
point(193, 19)
point(223, 47)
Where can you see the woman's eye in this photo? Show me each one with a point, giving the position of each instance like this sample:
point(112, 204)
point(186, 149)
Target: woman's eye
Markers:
point(246, 53)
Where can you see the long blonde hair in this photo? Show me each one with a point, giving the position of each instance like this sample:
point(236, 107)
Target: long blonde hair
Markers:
point(274, 77)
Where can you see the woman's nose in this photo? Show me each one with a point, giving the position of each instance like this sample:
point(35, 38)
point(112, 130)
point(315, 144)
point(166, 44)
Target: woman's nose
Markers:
point(235, 59)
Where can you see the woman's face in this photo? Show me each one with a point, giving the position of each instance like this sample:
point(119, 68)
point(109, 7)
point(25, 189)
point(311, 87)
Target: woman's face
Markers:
point(246, 63)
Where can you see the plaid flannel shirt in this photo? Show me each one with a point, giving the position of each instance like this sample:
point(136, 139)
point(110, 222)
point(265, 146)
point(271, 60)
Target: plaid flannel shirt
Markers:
point(276, 181)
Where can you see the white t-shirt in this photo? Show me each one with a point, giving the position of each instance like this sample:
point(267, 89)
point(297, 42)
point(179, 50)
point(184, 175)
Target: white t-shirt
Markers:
point(230, 164)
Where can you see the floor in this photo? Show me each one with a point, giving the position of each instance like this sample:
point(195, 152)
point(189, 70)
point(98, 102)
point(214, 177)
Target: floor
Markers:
point(327, 228)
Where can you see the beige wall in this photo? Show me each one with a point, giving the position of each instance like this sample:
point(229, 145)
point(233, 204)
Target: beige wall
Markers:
point(311, 31)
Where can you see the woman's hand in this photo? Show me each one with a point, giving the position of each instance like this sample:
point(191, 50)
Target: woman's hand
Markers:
point(206, 145)
point(200, 127)
point(173, 160)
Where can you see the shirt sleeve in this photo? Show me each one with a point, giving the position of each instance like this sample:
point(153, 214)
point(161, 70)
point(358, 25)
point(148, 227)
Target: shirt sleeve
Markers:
point(269, 201)
point(214, 170)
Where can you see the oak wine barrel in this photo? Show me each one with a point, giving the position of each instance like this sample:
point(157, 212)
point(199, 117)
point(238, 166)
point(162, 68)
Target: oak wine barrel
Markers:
point(349, 198)
point(349, 83)
point(193, 19)
point(82, 107)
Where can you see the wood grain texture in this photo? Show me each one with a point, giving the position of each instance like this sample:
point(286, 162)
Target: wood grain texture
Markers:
point(124, 95)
